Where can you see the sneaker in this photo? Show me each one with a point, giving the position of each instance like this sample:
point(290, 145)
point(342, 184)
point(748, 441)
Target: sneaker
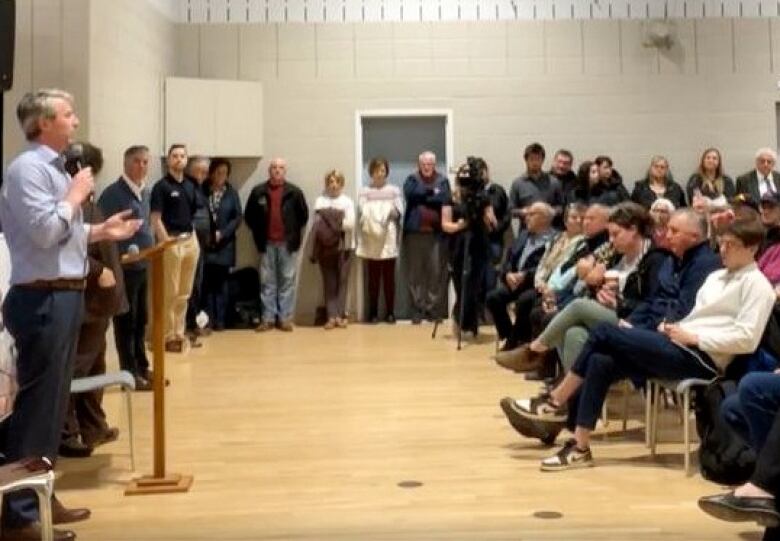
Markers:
point(568, 458)
point(732, 508)
point(541, 408)
point(286, 325)
point(264, 326)
point(342, 322)
point(530, 428)
point(330, 324)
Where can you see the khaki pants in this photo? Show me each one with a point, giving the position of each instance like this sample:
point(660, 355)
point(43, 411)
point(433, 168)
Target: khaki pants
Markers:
point(181, 261)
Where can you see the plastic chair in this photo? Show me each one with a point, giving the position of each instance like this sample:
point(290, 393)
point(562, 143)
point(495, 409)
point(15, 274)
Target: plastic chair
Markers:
point(681, 388)
point(126, 382)
point(35, 475)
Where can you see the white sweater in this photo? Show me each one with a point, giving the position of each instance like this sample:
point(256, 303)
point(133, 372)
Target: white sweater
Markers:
point(731, 311)
point(344, 204)
point(378, 232)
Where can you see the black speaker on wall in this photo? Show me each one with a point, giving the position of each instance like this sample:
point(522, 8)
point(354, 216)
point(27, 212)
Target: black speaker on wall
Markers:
point(7, 28)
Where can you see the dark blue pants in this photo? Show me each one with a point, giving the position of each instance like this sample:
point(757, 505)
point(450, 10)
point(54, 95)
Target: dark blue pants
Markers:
point(45, 326)
point(130, 327)
point(215, 289)
point(613, 353)
point(499, 300)
point(751, 411)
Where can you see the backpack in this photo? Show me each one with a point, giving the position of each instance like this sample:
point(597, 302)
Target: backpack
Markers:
point(9, 386)
point(328, 233)
point(724, 457)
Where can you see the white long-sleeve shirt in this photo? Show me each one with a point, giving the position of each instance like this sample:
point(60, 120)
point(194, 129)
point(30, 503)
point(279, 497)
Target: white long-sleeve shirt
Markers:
point(344, 204)
point(731, 312)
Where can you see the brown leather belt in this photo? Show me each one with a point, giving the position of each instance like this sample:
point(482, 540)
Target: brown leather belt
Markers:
point(60, 284)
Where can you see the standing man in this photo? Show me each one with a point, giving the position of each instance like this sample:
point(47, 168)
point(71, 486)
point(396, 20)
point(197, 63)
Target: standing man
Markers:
point(130, 192)
point(276, 212)
point(198, 171)
point(173, 206)
point(535, 185)
point(763, 179)
point(40, 209)
point(561, 168)
point(425, 246)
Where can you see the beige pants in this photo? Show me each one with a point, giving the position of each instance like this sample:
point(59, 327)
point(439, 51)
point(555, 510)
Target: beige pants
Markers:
point(181, 261)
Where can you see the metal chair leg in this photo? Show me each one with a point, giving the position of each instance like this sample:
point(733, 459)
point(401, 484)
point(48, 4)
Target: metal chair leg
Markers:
point(686, 436)
point(129, 407)
point(648, 412)
point(654, 421)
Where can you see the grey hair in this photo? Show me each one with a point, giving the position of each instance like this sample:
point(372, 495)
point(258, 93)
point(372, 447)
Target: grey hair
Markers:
point(766, 150)
point(604, 210)
point(193, 160)
point(426, 154)
point(698, 221)
point(38, 105)
point(548, 211)
point(662, 203)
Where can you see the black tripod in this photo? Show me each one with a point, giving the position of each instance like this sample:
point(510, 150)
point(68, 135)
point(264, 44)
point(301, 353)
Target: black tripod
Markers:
point(464, 278)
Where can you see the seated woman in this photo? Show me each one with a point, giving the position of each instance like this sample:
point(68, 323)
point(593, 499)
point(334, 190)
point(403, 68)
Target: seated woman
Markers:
point(658, 183)
point(732, 308)
point(708, 186)
point(334, 241)
point(633, 278)
point(661, 212)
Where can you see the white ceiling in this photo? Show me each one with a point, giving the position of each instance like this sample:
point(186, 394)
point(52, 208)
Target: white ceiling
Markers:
point(317, 11)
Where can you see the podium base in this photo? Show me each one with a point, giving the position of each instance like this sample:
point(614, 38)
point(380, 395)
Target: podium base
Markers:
point(159, 485)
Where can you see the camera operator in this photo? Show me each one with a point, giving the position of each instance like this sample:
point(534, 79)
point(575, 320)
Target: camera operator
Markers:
point(469, 219)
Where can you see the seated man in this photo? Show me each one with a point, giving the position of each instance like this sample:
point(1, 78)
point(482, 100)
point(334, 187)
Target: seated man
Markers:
point(728, 319)
point(517, 276)
point(594, 226)
point(754, 413)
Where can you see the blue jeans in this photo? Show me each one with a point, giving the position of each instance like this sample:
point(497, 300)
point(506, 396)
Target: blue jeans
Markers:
point(277, 283)
point(45, 326)
point(613, 353)
point(753, 408)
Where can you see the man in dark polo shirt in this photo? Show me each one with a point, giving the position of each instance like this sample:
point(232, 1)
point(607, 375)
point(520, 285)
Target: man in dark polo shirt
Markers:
point(173, 206)
point(535, 185)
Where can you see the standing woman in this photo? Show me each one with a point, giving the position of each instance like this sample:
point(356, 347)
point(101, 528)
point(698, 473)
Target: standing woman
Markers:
point(658, 183)
point(709, 182)
point(224, 208)
point(334, 242)
point(380, 206)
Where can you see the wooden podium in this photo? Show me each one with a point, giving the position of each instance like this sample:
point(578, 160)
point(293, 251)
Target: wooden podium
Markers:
point(160, 482)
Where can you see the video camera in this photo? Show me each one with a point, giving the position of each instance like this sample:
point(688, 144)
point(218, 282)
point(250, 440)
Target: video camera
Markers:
point(472, 181)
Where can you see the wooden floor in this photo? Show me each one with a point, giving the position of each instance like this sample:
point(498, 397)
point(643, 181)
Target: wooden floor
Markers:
point(307, 436)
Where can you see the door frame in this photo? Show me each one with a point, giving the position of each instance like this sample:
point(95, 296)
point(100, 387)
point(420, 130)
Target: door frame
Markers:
point(449, 149)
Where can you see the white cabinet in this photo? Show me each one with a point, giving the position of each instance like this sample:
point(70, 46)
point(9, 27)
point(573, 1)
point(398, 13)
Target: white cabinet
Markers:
point(214, 117)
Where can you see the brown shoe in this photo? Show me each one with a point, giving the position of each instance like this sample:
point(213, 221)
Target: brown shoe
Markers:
point(286, 325)
point(32, 532)
point(175, 345)
point(142, 384)
point(520, 359)
point(342, 322)
point(111, 434)
point(61, 515)
point(330, 324)
point(264, 326)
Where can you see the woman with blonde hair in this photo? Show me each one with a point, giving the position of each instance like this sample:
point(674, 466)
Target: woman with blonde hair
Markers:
point(334, 240)
point(658, 183)
point(709, 182)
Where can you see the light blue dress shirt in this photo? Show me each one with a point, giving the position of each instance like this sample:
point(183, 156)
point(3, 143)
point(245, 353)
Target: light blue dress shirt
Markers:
point(46, 237)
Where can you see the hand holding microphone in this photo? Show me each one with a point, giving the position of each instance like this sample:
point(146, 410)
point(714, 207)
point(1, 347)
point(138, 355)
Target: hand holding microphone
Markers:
point(82, 184)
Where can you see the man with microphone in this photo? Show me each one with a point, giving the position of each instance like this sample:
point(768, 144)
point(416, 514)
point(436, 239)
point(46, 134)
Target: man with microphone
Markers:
point(40, 212)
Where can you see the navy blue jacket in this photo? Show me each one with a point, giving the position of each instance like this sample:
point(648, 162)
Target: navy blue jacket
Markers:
point(226, 218)
point(118, 197)
point(418, 193)
point(512, 261)
point(678, 282)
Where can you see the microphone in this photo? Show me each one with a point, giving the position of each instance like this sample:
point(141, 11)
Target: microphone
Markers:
point(133, 249)
point(74, 158)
